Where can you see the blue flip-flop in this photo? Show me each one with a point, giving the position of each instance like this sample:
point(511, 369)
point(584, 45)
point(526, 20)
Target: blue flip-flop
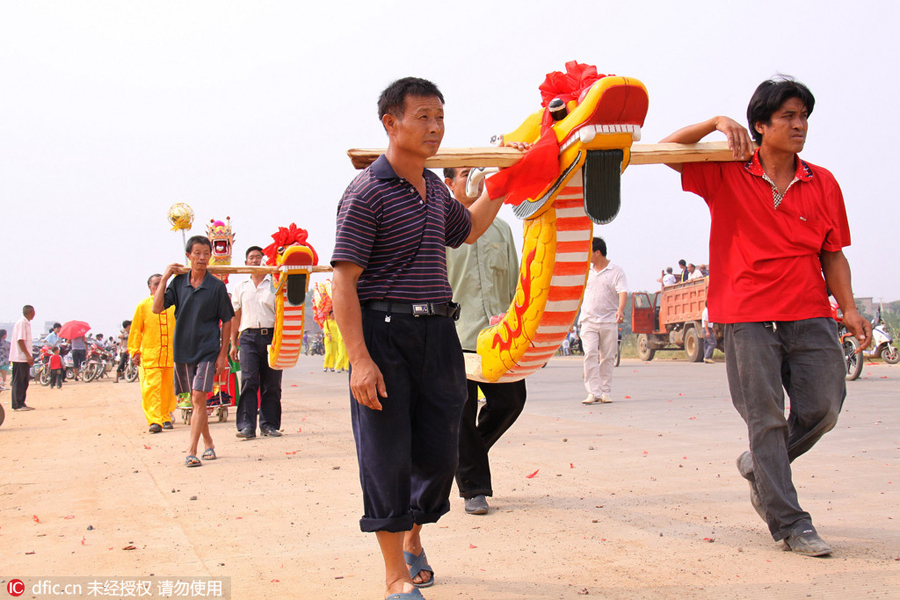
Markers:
point(413, 595)
point(416, 565)
point(192, 461)
point(209, 454)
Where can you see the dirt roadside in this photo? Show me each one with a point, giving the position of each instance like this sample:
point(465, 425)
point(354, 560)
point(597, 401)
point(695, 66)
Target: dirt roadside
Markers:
point(636, 499)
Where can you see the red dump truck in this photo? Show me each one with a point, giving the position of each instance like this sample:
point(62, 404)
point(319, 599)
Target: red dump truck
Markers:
point(671, 319)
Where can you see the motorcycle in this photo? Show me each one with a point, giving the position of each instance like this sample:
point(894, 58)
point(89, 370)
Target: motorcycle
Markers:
point(40, 370)
point(131, 370)
point(882, 340)
point(853, 360)
point(97, 363)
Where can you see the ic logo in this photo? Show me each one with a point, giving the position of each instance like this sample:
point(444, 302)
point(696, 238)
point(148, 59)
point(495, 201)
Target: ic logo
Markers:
point(15, 587)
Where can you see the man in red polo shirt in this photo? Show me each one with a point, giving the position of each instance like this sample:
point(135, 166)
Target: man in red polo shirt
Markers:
point(776, 238)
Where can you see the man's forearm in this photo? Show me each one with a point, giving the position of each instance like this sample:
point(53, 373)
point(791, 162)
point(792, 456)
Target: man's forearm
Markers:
point(348, 314)
point(159, 298)
point(226, 337)
point(738, 137)
point(837, 276)
point(482, 213)
point(692, 133)
point(234, 330)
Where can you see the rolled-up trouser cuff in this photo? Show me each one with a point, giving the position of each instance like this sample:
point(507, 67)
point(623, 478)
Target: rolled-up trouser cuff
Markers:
point(394, 525)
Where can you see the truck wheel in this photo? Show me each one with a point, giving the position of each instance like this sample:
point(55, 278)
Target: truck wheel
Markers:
point(645, 352)
point(693, 345)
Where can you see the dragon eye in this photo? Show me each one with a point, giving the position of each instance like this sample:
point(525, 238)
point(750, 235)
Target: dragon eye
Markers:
point(558, 109)
point(280, 249)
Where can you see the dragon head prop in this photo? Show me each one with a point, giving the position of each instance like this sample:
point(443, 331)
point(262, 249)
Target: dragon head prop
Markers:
point(290, 251)
point(587, 120)
point(222, 240)
point(283, 240)
point(295, 258)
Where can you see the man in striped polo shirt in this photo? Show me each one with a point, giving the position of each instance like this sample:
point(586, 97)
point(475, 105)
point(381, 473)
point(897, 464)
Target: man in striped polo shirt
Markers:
point(393, 305)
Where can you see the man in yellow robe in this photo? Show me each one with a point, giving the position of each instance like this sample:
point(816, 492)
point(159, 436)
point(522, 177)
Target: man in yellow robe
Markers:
point(150, 346)
point(330, 331)
point(341, 360)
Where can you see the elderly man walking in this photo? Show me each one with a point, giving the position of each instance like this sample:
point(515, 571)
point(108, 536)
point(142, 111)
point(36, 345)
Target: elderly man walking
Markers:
point(21, 358)
point(393, 305)
point(203, 316)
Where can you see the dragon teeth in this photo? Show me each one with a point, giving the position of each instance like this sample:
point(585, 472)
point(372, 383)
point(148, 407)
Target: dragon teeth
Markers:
point(587, 133)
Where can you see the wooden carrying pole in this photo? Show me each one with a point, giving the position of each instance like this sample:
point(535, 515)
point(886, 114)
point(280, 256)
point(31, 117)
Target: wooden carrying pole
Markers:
point(641, 154)
point(245, 270)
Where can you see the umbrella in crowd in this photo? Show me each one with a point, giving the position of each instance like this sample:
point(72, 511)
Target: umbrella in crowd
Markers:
point(74, 329)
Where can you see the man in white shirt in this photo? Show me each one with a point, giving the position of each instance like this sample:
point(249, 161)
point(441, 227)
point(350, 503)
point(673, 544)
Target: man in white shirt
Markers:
point(668, 278)
point(694, 272)
point(21, 358)
point(602, 310)
point(254, 309)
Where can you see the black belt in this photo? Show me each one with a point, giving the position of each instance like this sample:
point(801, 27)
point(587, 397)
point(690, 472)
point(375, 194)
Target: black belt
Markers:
point(262, 330)
point(416, 309)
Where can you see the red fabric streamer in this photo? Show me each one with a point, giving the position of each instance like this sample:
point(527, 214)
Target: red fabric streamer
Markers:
point(528, 177)
point(540, 165)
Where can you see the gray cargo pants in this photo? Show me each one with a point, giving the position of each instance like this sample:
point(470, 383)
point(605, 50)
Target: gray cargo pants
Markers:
point(763, 360)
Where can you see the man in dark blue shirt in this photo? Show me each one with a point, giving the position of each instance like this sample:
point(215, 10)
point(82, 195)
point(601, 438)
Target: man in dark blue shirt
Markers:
point(200, 348)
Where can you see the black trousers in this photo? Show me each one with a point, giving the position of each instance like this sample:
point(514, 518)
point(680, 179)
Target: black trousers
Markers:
point(56, 377)
point(19, 383)
point(481, 429)
point(407, 451)
point(260, 384)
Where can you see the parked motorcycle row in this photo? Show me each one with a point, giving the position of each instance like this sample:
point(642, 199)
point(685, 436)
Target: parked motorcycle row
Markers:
point(98, 363)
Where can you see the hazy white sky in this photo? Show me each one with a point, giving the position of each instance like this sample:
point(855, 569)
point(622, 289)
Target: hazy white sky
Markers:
point(112, 111)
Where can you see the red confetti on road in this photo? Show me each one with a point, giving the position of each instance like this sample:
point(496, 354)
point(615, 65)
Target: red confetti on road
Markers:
point(69, 517)
point(472, 546)
point(646, 453)
point(299, 430)
point(627, 397)
point(146, 447)
point(571, 466)
point(83, 540)
point(294, 452)
point(293, 385)
point(527, 476)
point(35, 519)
